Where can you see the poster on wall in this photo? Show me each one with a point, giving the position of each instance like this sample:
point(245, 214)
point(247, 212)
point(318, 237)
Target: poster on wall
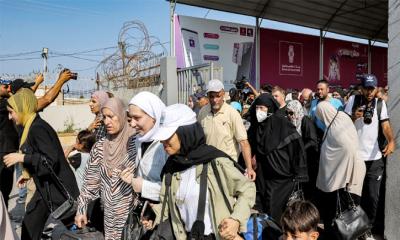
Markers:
point(229, 46)
point(290, 58)
point(344, 62)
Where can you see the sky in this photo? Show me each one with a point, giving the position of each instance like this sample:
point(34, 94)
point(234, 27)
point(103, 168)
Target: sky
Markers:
point(90, 28)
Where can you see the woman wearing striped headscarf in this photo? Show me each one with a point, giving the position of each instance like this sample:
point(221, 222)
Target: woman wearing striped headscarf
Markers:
point(39, 150)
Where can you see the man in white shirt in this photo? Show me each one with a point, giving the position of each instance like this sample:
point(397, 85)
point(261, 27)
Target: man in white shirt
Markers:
point(364, 111)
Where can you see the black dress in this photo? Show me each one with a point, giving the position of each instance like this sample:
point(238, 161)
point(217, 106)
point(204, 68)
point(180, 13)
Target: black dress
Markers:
point(310, 139)
point(281, 161)
point(8, 144)
point(42, 144)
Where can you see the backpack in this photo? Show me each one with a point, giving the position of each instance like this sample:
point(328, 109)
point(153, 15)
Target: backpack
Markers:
point(261, 226)
point(381, 137)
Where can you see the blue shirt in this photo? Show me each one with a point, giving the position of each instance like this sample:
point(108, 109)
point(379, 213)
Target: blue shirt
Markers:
point(335, 102)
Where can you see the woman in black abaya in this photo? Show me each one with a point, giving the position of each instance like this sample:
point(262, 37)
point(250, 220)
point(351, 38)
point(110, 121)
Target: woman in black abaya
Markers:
point(280, 157)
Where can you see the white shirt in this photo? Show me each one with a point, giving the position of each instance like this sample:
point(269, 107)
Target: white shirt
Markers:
point(149, 168)
point(368, 133)
point(187, 201)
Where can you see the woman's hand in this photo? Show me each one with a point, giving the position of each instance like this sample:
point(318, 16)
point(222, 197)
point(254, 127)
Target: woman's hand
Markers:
point(13, 158)
point(229, 228)
point(250, 174)
point(81, 220)
point(95, 124)
point(126, 175)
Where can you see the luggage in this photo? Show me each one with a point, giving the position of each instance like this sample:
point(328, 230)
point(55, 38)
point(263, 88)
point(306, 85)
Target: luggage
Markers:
point(82, 234)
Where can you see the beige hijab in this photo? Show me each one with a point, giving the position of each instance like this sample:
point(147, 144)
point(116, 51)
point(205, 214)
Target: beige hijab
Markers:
point(115, 146)
point(339, 165)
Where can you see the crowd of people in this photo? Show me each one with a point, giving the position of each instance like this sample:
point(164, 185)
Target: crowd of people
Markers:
point(179, 167)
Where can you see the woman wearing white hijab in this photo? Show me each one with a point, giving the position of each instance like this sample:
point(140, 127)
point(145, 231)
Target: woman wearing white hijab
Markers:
point(340, 167)
point(145, 111)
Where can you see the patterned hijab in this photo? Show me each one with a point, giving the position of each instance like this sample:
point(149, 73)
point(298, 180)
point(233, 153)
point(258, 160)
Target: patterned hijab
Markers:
point(298, 113)
point(24, 103)
point(115, 146)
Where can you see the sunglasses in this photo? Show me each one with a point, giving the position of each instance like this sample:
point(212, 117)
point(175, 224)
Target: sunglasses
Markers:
point(289, 113)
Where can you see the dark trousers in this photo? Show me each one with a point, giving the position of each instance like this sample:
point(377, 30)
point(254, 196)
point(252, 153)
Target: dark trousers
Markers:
point(6, 180)
point(329, 206)
point(34, 221)
point(372, 184)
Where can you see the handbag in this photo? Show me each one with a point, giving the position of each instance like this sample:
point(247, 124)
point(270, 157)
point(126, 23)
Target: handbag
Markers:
point(352, 222)
point(296, 195)
point(164, 231)
point(68, 208)
point(133, 228)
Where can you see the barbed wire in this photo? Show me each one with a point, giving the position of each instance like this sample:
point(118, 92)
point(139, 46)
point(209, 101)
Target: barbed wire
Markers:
point(137, 56)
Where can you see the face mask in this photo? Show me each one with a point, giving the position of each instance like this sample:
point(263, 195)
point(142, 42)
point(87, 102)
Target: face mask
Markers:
point(261, 115)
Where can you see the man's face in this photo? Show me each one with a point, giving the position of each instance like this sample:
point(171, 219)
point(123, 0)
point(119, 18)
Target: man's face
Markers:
point(4, 91)
point(322, 91)
point(216, 100)
point(279, 97)
point(369, 93)
point(251, 97)
point(203, 101)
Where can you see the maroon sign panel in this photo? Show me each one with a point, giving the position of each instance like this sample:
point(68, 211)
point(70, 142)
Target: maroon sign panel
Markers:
point(379, 64)
point(289, 60)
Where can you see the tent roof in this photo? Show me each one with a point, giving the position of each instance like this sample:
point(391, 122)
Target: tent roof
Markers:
point(366, 19)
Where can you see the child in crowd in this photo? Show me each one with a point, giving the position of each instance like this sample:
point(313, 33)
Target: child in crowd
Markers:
point(300, 221)
point(79, 153)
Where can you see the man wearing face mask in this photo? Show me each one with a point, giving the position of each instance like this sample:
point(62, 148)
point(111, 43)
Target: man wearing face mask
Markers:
point(223, 126)
point(280, 158)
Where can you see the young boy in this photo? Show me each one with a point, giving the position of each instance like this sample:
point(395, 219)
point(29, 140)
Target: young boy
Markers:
point(78, 159)
point(300, 221)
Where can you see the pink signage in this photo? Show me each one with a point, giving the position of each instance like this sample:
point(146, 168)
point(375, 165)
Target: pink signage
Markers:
point(211, 35)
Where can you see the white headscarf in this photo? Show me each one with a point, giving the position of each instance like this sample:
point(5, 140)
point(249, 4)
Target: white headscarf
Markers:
point(340, 165)
point(152, 106)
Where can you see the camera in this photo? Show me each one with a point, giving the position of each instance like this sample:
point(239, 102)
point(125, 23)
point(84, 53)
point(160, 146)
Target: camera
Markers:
point(74, 76)
point(368, 114)
point(240, 84)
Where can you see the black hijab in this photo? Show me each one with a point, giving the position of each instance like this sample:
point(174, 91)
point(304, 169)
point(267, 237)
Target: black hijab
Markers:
point(269, 101)
point(193, 151)
point(273, 131)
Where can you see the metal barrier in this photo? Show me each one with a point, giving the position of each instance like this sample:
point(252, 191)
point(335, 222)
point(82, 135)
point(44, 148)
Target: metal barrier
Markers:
point(193, 79)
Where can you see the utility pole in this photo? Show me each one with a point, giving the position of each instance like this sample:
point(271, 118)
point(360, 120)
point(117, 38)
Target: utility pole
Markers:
point(45, 54)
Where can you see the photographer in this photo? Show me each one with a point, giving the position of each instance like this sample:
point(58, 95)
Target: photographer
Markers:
point(370, 116)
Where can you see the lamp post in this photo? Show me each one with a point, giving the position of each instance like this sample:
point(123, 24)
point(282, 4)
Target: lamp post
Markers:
point(45, 54)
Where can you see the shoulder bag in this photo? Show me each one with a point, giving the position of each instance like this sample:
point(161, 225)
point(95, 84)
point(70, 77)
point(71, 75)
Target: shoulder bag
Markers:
point(352, 222)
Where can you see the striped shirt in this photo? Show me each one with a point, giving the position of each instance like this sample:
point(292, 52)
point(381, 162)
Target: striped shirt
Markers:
point(115, 193)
